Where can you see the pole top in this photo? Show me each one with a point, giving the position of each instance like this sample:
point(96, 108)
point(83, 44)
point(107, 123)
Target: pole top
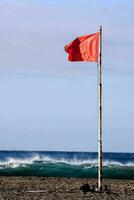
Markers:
point(100, 27)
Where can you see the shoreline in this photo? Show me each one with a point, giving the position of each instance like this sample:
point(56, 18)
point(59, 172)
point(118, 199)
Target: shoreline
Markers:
point(51, 188)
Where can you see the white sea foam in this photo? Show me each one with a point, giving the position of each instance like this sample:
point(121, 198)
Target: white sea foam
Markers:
point(16, 162)
point(11, 162)
point(88, 162)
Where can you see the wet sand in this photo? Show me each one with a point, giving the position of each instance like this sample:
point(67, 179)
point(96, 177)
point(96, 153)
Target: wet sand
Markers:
point(42, 188)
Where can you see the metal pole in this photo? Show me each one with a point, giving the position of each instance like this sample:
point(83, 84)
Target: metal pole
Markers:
point(100, 112)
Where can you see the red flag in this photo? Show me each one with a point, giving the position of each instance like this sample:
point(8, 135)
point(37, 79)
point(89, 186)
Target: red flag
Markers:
point(84, 48)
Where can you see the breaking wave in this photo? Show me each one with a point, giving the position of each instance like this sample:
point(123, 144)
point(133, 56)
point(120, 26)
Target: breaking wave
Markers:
point(15, 162)
point(65, 164)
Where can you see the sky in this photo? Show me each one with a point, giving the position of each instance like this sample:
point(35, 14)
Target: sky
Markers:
point(48, 103)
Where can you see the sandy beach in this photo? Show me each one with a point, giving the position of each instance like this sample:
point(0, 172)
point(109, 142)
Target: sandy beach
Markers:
point(42, 188)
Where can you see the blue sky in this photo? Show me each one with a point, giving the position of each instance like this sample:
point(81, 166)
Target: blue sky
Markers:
point(48, 103)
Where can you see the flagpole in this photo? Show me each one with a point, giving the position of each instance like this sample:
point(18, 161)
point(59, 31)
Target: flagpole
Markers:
point(100, 112)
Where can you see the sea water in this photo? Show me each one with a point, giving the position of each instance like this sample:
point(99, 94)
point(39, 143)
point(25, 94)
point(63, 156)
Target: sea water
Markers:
point(65, 164)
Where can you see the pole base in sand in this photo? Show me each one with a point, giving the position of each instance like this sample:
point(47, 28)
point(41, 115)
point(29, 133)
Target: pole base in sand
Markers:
point(93, 188)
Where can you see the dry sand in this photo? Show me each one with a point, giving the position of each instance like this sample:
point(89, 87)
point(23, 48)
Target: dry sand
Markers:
point(42, 188)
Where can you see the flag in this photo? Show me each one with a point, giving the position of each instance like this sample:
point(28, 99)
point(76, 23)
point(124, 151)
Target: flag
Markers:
point(83, 48)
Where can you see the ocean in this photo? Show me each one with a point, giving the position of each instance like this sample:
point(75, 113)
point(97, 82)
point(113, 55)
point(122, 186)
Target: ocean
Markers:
point(65, 164)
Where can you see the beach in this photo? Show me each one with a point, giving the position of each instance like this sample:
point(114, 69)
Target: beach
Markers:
point(43, 188)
